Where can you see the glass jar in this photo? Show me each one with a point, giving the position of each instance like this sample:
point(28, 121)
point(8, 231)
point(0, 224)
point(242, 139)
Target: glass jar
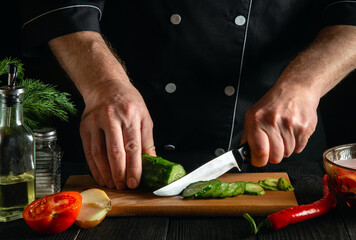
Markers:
point(48, 162)
point(17, 156)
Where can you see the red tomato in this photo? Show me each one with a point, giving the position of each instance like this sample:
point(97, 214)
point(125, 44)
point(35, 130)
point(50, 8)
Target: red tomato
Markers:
point(53, 213)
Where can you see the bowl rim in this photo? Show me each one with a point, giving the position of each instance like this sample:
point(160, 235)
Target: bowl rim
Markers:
point(333, 148)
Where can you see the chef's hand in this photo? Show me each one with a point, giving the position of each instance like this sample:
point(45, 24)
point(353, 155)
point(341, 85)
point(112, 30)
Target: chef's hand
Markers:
point(283, 120)
point(279, 124)
point(116, 128)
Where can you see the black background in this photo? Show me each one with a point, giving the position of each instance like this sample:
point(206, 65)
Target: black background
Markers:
point(337, 107)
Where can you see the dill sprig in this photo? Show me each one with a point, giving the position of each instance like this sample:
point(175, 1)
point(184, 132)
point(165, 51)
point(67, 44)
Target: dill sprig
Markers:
point(41, 101)
point(4, 67)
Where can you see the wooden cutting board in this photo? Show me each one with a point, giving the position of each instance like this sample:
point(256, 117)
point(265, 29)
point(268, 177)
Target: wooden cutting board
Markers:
point(144, 203)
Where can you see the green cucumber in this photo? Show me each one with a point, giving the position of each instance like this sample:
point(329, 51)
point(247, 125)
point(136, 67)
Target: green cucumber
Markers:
point(196, 189)
point(240, 190)
point(284, 185)
point(158, 172)
point(254, 189)
point(230, 191)
point(267, 187)
point(223, 186)
point(272, 182)
point(217, 189)
point(215, 185)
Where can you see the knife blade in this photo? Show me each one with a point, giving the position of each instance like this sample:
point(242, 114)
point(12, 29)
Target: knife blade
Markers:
point(210, 170)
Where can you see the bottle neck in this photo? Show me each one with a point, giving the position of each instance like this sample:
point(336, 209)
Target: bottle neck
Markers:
point(11, 115)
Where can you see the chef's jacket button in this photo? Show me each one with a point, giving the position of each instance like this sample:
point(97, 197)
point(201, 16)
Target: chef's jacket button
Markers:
point(170, 88)
point(219, 151)
point(169, 147)
point(175, 19)
point(240, 20)
point(229, 90)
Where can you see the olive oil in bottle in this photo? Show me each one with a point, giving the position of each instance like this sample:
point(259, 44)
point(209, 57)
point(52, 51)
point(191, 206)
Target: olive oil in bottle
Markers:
point(16, 192)
point(17, 153)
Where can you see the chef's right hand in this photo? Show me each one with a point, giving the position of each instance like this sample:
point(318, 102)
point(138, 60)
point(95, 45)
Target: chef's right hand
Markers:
point(116, 128)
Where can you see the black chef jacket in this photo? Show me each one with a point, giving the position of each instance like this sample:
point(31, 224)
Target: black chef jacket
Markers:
point(198, 64)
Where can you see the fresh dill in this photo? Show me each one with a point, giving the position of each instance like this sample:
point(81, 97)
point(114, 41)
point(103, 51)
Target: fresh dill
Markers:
point(41, 101)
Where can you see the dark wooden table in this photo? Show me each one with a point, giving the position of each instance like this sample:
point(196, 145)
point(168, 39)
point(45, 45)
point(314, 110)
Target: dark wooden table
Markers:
point(340, 223)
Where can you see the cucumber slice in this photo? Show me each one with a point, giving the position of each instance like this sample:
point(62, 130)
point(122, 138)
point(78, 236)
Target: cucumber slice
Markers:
point(215, 185)
point(254, 189)
point(272, 182)
point(222, 195)
point(231, 189)
point(223, 186)
point(266, 187)
point(284, 185)
point(196, 189)
point(241, 189)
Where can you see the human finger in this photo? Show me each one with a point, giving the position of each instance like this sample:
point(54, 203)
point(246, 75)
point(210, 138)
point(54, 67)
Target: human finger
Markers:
point(86, 140)
point(276, 146)
point(304, 130)
point(99, 153)
point(132, 145)
point(147, 137)
point(116, 155)
point(287, 134)
point(259, 146)
point(302, 137)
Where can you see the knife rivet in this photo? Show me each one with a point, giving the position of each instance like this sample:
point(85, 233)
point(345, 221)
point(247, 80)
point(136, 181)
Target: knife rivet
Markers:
point(219, 151)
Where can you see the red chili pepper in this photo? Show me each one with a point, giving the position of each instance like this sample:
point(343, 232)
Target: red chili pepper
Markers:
point(296, 214)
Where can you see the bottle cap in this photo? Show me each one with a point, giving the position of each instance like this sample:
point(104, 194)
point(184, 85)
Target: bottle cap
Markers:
point(11, 95)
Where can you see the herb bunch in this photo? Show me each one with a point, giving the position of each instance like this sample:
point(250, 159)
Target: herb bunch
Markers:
point(41, 101)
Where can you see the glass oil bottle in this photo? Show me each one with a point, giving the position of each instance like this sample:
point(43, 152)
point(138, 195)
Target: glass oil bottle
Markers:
point(17, 153)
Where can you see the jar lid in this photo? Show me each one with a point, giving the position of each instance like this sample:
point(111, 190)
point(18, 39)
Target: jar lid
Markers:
point(45, 133)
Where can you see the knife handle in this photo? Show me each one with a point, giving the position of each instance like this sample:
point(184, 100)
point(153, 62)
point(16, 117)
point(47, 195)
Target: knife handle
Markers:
point(243, 151)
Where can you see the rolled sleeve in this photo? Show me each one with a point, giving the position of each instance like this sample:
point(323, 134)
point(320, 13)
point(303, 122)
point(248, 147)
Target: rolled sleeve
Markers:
point(340, 13)
point(43, 22)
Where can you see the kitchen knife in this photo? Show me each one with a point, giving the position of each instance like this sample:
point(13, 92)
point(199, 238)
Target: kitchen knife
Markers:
point(210, 170)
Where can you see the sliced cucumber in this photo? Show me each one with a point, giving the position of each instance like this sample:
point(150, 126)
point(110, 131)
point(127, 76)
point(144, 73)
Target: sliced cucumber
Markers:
point(217, 189)
point(230, 191)
point(267, 187)
point(240, 190)
point(272, 182)
point(223, 186)
point(215, 185)
point(196, 189)
point(284, 185)
point(254, 189)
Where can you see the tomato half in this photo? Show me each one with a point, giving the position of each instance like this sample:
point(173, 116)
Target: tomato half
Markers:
point(53, 213)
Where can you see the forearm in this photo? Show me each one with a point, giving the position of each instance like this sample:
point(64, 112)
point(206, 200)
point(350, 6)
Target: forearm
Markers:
point(324, 63)
point(88, 61)
point(116, 126)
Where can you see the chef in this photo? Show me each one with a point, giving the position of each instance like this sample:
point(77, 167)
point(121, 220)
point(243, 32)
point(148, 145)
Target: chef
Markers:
point(190, 80)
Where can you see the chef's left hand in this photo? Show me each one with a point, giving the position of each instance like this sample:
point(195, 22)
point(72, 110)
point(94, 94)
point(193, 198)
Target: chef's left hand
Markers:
point(280, 123)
